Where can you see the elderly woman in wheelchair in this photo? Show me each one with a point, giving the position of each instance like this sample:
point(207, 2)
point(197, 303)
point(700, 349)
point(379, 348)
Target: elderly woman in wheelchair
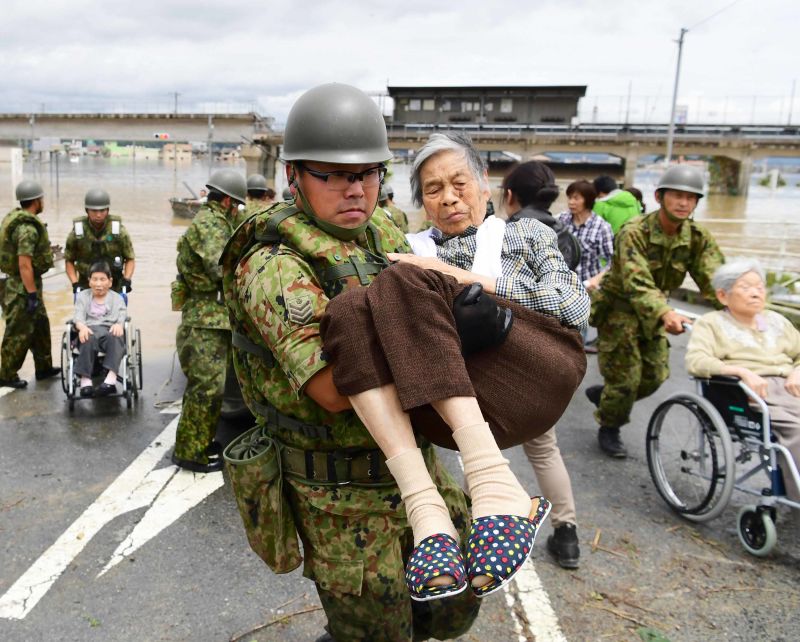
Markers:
point(746, 360)
point(100, 315)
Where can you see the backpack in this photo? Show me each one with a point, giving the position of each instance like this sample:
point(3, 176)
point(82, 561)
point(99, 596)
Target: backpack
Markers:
point(568, 244)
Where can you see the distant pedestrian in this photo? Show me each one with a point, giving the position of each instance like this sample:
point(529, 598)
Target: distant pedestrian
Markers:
point(386, 201)
point(639, 197)
point(613, 204)
point(259, 197)
point(25, 255)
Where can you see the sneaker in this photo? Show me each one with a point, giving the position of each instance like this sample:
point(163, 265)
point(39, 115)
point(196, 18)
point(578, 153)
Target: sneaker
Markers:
point(593, 394)
point(16, 382)
point(610, 442)
point(46, 374)
point(563, 545)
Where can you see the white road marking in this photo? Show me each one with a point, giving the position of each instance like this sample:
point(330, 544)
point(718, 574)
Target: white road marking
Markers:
point(184, 491)
point(4, 390)
point(139, 485)
point(530, 596)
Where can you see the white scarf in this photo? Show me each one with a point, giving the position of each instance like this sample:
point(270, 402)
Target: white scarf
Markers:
point(489, 245)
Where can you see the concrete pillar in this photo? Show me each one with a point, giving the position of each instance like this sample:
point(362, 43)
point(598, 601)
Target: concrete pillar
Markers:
point(630, 160)
point(745, 170)
point(261, 159)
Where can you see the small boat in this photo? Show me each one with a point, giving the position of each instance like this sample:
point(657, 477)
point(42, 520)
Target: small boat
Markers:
point(185, 207)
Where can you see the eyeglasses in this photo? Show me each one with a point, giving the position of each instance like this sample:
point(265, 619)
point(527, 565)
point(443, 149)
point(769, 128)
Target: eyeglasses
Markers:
point(339, 181)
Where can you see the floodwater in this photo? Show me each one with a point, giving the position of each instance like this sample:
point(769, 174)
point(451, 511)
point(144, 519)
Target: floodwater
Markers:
point(766, 223)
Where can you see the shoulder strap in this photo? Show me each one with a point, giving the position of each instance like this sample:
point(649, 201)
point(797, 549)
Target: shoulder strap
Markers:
point(270, 232)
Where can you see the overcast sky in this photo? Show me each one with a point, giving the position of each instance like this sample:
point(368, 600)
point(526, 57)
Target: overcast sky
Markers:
point(90, 52)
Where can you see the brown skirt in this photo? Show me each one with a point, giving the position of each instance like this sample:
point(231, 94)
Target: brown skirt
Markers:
point(401, 330)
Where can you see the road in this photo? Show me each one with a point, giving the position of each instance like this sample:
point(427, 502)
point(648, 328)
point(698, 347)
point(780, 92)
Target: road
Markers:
point(103, 539)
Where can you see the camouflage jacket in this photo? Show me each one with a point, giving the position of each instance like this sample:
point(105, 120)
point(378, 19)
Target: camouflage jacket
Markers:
point(111, 243)
point(277, 291)
point(251, 207)
point(199, 251)
point(648, 264)
point(398, 216)
point(23, 234)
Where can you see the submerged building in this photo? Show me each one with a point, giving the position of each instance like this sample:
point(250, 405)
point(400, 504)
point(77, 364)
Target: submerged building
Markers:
point(509, 105)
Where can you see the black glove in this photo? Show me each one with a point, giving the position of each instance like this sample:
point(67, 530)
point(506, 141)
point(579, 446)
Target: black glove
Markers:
point(32, 302)
point(76, 288)
point(480, 322)
point(126, 284)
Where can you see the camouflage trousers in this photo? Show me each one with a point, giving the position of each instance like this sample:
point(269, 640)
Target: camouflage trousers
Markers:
point(632, 367)
point(203, 355)
point(24, 332)
point(356, 542)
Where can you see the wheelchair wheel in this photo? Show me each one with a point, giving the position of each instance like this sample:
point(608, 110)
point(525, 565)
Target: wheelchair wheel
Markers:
point(138, 351)
point(756, 530)
point(690, 457)
point(65, 363)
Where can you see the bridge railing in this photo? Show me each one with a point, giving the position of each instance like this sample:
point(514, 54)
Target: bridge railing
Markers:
point(134, 107)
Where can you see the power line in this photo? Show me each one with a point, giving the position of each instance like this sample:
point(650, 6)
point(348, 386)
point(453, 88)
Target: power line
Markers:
point(713, 15)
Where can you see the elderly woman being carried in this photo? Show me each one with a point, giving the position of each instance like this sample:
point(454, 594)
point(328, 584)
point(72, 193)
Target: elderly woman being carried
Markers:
point(759, 346)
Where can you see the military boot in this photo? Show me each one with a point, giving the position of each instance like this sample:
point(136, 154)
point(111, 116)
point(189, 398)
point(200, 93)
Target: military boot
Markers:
point(14, 382)
point(610, 442)
point(46, 374)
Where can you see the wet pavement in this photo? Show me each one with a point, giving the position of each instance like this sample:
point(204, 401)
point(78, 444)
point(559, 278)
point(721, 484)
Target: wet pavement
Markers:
point(128, 548)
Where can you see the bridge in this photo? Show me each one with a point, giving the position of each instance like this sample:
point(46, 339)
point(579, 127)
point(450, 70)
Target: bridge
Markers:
point(230, 128)
point(732, 150)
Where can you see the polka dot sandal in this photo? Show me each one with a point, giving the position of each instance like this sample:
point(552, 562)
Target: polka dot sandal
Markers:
point(498, 545)
point(436, 556)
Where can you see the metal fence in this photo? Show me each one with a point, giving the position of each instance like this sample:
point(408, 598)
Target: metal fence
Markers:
point(134, 107)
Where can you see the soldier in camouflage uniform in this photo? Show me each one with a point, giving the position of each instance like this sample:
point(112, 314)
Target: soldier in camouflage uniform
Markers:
point(259, 197)
point(395, 213)
point(98, 237)
point(25, 255)
point(280, 270)
point(203, 339)
point(652, 254)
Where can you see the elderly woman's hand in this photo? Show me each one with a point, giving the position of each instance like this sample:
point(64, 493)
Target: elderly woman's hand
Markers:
point(429, 263)
point(792, 384)
point(116, 330)
point(83, 332)
point(754, 382)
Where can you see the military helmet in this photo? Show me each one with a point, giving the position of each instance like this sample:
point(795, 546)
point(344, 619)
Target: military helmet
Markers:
point(97, 199)
point(287, 194)
point(28, 190)
point(229, 182)
point(682, 177)
point(256, 183)
point(335, 123)
point(384, 194)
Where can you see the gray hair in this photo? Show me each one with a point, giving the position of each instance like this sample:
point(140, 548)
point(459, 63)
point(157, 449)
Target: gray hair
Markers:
point(457, 142)
point(729, 273)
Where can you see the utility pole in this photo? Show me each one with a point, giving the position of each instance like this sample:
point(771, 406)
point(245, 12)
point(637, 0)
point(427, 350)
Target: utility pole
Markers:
point(791, 102)
point(628, 108)
point(176, 94)
point(671, 133)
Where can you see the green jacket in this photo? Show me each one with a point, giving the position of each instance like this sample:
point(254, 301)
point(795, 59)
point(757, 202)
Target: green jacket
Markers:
point(618, 209)
point(199, 251)
point(23, 234)
point(648, 265)
point(277, 292)
point(111, 243)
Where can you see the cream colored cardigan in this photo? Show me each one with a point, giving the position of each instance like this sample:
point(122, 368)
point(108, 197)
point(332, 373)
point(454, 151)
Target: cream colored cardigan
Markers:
point(718, 339)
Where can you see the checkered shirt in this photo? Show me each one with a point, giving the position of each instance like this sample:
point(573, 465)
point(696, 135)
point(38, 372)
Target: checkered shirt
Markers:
point(534, 272)
point(597, 242)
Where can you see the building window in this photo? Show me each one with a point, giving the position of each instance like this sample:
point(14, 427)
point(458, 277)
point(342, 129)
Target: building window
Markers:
point(446, 106)
point(414, 104)
point(506, 105)
point(488, 107)
point(429, 104)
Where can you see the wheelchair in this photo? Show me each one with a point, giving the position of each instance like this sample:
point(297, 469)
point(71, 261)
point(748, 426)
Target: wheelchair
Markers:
point(695, 441)
point(129, 377)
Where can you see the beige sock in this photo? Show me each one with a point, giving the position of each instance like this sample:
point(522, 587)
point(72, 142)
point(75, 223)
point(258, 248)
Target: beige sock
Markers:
point(425, 508)
point(494, 489)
